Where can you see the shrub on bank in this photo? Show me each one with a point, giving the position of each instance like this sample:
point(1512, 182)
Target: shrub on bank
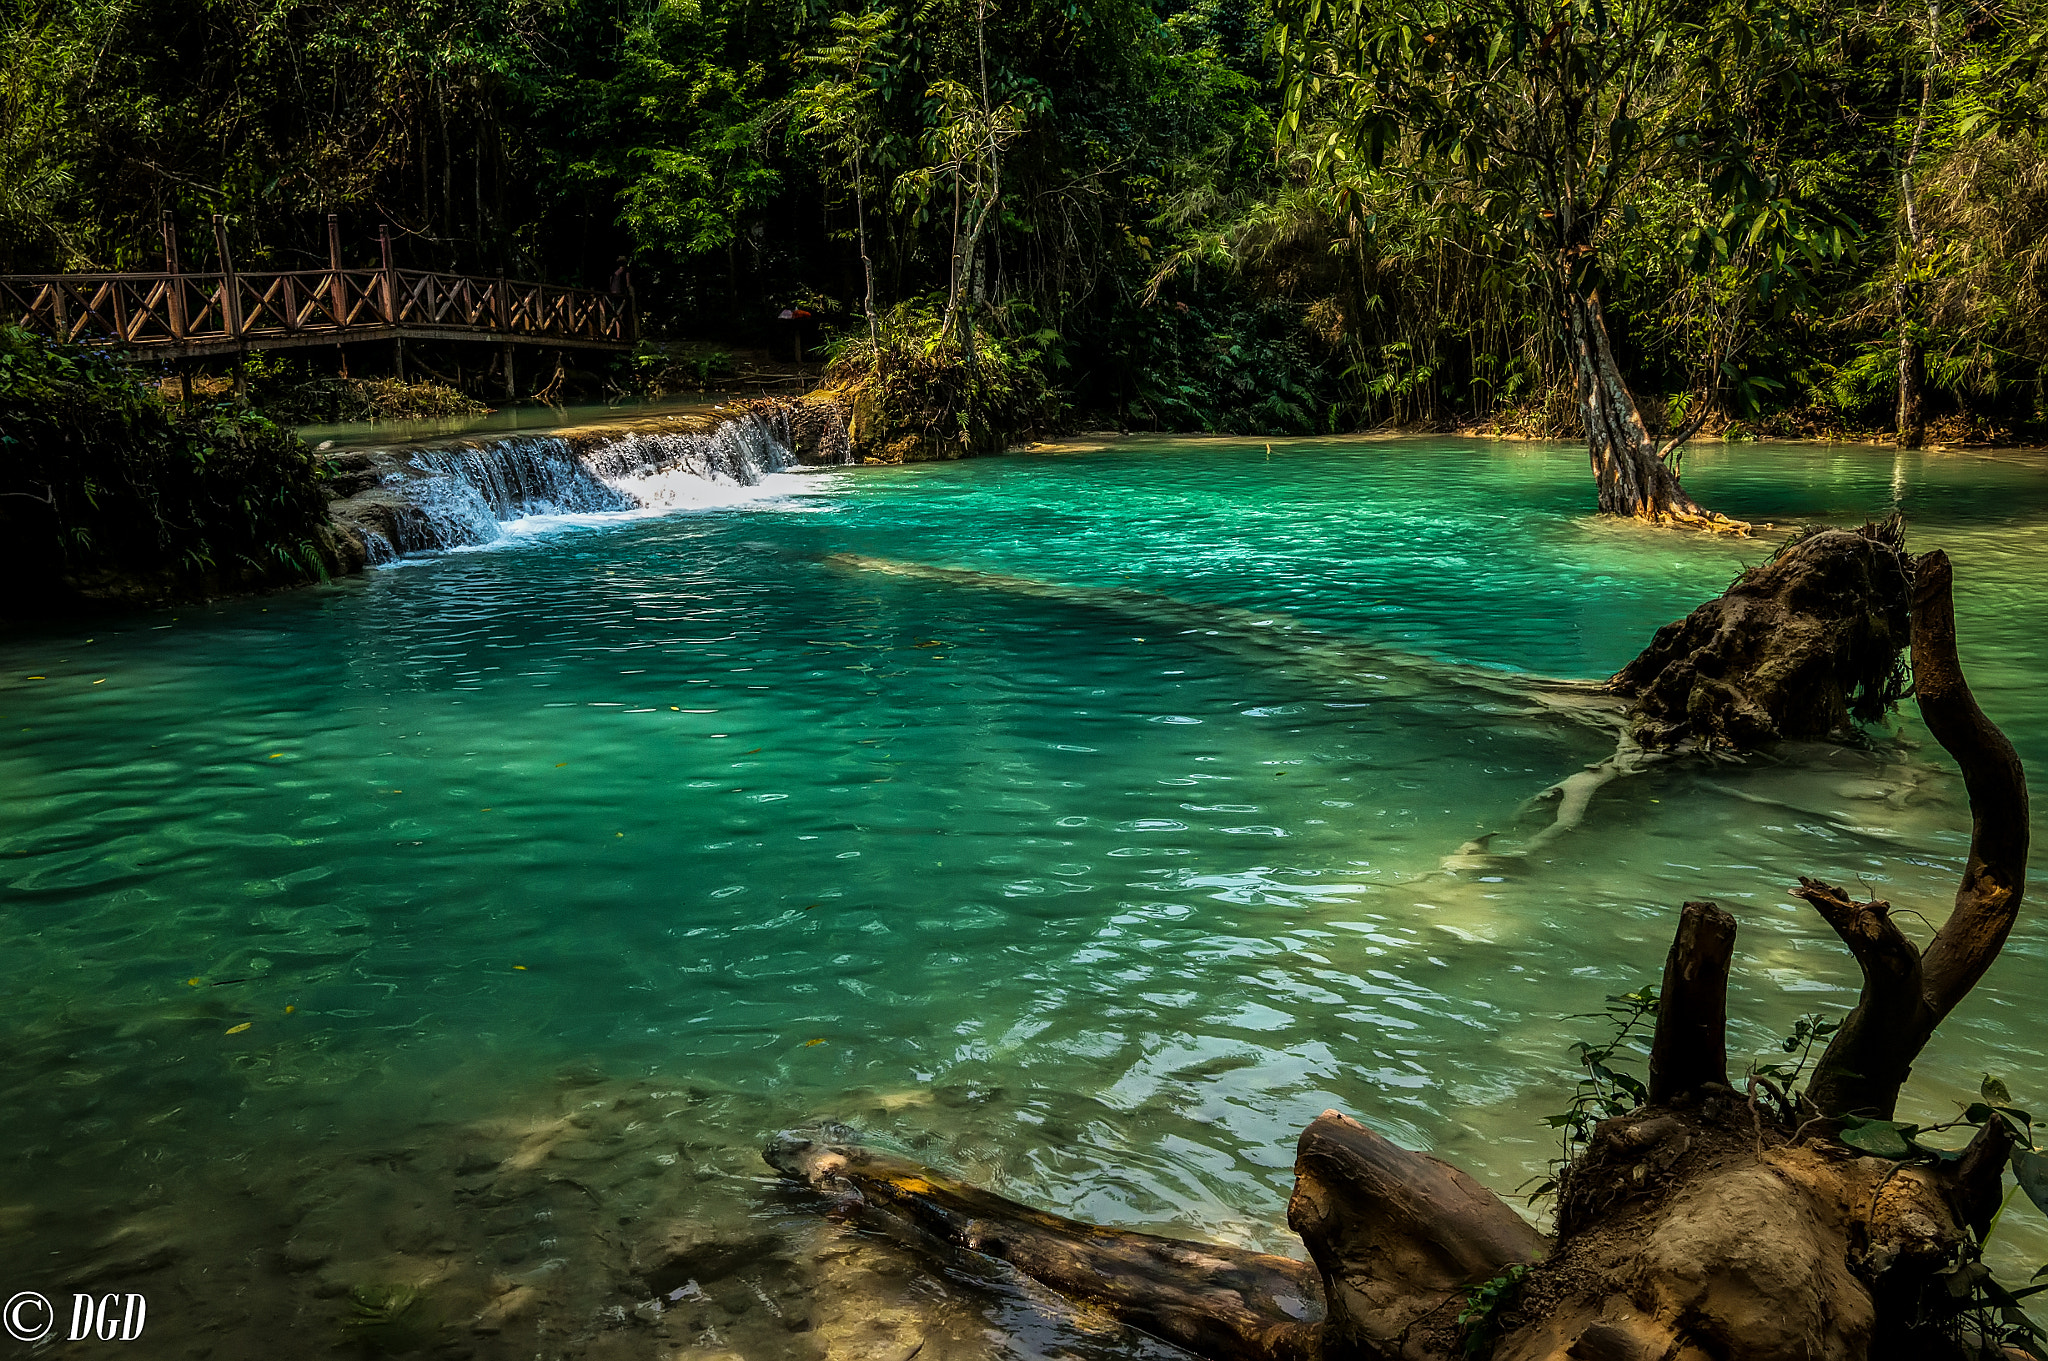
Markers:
point(108, 494)
point(923, 395)
point(292, 392)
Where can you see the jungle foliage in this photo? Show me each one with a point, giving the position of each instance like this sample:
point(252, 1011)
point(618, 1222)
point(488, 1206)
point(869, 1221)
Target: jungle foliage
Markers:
point(1292, 216)
point(108, 492)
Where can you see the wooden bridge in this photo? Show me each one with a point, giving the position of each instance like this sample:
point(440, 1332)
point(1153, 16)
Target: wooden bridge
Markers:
point(230, 312)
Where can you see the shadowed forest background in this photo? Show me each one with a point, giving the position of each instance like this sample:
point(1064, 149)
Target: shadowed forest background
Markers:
point(1092, 189)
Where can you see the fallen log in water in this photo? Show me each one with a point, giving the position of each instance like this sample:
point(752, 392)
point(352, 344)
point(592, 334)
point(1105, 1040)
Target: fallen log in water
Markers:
point(1215, 1301)
point(1272, 637)
point(1797, 647)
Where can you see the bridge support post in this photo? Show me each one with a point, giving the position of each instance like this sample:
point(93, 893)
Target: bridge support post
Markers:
point(231, 307)
point(398, 358)
point(511, 384)
point(389, 276)
point(230, 292)
point(174, 293)
point(337, 290)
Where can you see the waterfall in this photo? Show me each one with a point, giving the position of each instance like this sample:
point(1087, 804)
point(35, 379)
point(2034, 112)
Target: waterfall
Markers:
point(517, 476)
point(677, 469)
point(465, 495)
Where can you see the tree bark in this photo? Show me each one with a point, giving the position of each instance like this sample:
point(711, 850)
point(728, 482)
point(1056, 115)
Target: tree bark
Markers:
point(1633, 474)
point(1691, 1045)
point(1399, 1238)
point(867, 266)
point(1912, 420)
point(1217, 1302)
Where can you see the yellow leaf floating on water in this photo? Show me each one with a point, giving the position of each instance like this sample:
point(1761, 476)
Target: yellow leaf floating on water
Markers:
point(101, 681)
point(238, 1029)
point(521, 967)
point(275, 754)
point(191, 982)
point(289, 1010)
point(560, 764)
point(809, 1043)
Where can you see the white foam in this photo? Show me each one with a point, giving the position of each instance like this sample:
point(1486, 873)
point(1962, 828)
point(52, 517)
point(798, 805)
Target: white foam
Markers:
point(676, 493)
point(513, 490)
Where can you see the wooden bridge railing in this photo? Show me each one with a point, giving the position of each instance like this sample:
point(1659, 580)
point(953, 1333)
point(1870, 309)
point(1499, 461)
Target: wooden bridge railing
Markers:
point(230, 311)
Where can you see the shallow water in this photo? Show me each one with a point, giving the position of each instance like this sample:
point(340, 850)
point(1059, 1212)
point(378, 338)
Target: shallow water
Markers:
point(533, 417)
point(1068, 877)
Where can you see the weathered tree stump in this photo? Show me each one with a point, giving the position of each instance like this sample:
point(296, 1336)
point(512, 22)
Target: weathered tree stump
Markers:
point(1708, 1225)
point(1796, 647)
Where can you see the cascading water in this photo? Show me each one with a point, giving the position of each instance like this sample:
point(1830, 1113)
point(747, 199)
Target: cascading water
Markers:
point(468, 493)
point(666, 469)
point(435, 499)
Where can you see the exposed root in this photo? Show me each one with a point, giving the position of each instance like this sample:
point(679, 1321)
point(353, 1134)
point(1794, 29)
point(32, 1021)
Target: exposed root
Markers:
point(1711, 521)
point(1574, 793)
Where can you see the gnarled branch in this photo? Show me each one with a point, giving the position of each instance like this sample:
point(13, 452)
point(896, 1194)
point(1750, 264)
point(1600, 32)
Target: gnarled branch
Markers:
point(1907, 994)
point(1988, 899)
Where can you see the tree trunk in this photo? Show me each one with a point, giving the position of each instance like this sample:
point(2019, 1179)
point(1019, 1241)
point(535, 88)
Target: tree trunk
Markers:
point(1708, 1224)
point(1634, 476)
point(867, 266)
point(1218, 1302)
point(953, 266)
point(1912, 421)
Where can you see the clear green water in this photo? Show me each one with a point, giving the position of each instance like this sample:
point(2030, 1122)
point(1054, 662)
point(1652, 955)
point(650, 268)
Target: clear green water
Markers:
point(1077, 896)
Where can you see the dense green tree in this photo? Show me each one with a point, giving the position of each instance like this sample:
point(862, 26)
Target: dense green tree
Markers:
point(1559, 216)
point(1544, 125)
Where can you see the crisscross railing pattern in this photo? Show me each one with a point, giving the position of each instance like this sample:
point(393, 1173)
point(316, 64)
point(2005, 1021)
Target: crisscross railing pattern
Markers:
point(223, 312)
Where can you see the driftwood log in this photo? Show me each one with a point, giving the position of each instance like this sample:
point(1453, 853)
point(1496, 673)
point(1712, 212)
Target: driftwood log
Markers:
point(1706, 1226)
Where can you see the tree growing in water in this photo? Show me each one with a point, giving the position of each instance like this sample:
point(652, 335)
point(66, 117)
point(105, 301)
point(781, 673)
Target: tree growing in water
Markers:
point(1542, 125)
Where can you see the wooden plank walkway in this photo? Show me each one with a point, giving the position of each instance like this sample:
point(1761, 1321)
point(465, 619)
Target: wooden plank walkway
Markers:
point(230, 312)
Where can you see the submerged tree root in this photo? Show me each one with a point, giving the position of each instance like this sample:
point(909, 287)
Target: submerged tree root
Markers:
point(1797, 647)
